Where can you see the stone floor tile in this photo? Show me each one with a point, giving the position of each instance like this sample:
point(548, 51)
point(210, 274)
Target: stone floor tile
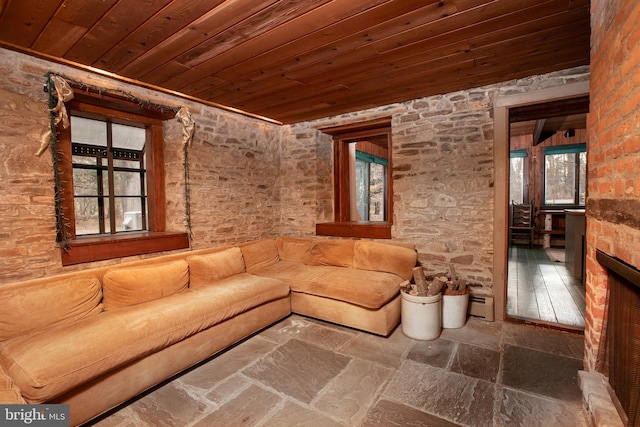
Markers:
point(543, 339)
point(298, 369)
point(476, 331)
point(477, 362)
point(392, 414)
point(323, 335)
point(387, 351)
point(294, 415)
point(247, 409)
point(453, 397)
point(170, 405)
point(436, 353)
point(518, 408)
point(125, 417)
point(349, 395)
point(228, 389)
point(542, 373)
point(228, 363)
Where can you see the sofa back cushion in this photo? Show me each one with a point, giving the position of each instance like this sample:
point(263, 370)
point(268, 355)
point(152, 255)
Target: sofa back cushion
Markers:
point(26, 307)
point(294, 249)
point(375, 256)
point(259, 254)
point(332, 252)
point(209, 268)
point(134, 285)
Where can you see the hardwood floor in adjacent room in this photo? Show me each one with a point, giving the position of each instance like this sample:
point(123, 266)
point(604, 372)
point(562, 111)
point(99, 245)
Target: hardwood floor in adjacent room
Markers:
point(542, 290)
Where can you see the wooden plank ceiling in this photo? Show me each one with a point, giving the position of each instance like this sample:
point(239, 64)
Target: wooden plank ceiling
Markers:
point(294, 61)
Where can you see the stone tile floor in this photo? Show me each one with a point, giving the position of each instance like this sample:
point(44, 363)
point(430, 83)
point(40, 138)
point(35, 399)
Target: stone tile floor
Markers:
point(303, 372)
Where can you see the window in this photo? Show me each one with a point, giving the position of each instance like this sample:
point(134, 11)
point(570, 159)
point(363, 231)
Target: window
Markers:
point(109, 177)
point(371, 186)
point(362, 186)
point(565, 171)
point(517, 177)
point(114, 203)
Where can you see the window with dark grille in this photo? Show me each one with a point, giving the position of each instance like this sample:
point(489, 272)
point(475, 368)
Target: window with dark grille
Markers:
point(109, 176)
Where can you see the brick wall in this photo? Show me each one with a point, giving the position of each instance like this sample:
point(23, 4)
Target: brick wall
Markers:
point(613, 206)
point(234, 172)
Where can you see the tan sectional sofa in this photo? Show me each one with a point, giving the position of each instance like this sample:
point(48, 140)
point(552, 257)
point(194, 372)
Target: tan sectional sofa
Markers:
point(94, 339)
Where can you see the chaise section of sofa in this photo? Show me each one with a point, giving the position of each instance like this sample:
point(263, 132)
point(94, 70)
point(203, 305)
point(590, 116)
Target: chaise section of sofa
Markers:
point(349, 282)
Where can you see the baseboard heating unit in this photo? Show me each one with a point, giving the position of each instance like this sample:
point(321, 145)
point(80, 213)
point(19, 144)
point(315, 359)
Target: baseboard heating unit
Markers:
point(481, 306)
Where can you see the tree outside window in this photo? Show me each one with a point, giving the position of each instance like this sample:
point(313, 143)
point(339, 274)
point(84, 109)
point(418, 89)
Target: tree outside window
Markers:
point(565, 175)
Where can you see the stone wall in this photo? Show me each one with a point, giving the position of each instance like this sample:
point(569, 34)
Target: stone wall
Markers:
point(234, 172)
point(251, 179)
point(613, 204)
point(442, 173)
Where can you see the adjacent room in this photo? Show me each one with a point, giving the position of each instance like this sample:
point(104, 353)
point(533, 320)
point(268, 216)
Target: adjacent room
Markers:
point(218, 212)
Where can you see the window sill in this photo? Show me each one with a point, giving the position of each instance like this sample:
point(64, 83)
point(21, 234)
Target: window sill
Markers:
point(100, 248)
point(370, 230)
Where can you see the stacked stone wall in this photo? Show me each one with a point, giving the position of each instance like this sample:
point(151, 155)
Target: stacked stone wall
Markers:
point(234, 172)
point(443, 173)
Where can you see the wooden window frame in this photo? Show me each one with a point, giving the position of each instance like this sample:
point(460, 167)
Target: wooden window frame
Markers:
point(342, 225)
point(102, 247)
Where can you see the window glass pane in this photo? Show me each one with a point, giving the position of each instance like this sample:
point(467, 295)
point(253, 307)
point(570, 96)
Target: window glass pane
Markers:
point(126, 183)
point(87, 131)
point(84, 160)
point(87, 215)
point(582, 196)
point(559, 182)
point(516, 180)
point(85, 182)
point(128, 214)
point(376, 192)
point(128, 136)
point(362, 189)
point(131, 164)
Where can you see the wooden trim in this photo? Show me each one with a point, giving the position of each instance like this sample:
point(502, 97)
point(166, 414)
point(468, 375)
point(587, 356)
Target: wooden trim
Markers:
point(369, 230)
point(501, 179)
point(116, 77)
point(358, 127)
point(121, 103)
point(155, 180)
point(89, 249)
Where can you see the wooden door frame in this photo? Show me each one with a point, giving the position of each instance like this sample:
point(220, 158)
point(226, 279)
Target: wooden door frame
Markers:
point(501, 107)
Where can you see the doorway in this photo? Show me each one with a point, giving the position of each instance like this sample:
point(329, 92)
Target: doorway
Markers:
point(534, 114)
point(547, 180)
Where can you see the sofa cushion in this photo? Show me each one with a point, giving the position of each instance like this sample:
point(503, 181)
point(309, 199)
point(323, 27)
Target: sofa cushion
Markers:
point(259, 254)
point(25, 308)
point(370, 289)
point(126, 286)
point(383, 257)
point(51, 362)
point(332, 252)
point(208, 268)
point(294, 249)
point(295, 273)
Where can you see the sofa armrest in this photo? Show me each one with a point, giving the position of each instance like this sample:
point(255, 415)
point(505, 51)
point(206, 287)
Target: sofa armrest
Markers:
point(9, 393)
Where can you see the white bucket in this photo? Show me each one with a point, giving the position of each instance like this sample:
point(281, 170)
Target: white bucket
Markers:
point(454, 310)
point(421, 316)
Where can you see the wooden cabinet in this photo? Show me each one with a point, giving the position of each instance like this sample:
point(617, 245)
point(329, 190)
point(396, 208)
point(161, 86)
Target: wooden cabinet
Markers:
point(575, 241)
